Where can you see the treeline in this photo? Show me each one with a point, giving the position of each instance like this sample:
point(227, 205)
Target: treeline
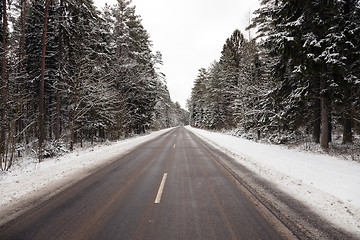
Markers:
point(70, 73)
point(300, 75)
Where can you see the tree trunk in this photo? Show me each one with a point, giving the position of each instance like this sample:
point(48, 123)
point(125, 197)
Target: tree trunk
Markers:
point(329, 123)
point(317, 120)
point(324, 140)
point(57, 124)
point(42, 82)
point(22, 39)
point(58, 98)
point(73, 124)
point(21, 66)
point(72, 135)
point(316, 111)
point(93, 132)
point(21, 70)
point(3, 85)
point(347, 133)
point(81, 136)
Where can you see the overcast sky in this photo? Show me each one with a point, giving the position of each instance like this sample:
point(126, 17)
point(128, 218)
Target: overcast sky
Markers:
point(190, 34)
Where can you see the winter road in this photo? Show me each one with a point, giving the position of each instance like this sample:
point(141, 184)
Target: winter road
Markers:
point(170, 188)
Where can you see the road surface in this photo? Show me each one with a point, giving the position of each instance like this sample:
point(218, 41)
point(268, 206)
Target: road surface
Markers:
point(170, 188)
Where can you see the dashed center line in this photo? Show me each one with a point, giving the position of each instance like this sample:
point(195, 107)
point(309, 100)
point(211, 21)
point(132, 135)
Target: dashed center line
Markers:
point(161, 189)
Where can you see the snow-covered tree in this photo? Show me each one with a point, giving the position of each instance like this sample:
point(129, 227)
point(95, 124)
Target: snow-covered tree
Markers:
point(71, 74)
point(226, 95)
point(307, 39)
point(198, 99)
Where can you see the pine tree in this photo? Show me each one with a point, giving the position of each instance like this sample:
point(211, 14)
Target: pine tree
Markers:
point(216, 97)
point(312, 43)
point(344, 39)
point(81, 63)
point(42, 80)
point(134, 68)
point(70, 73)
point(198, 101)
point(226, 95)
point(231, 60)
point(3, 78)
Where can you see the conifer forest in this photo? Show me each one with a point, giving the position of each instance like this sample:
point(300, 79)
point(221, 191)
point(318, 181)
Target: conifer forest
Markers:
point(299, 77)
point(71, 73)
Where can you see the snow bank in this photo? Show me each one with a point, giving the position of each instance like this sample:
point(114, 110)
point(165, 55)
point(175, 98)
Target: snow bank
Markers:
point(30, 179)
point(329, 185)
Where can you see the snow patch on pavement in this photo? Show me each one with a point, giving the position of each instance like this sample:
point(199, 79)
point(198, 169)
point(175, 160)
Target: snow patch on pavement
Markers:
point(329, 185)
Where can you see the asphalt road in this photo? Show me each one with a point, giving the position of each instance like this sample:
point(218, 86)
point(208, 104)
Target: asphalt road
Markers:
point(169, 188)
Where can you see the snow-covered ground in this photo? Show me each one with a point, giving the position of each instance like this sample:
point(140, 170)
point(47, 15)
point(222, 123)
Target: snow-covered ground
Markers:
point(28, 179)
point(329, 185)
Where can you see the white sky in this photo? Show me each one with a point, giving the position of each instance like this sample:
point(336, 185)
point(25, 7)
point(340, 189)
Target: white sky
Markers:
point(190, 34)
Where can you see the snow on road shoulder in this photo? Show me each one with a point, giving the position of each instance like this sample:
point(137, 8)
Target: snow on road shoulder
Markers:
point(30, 179)
point(329, 185)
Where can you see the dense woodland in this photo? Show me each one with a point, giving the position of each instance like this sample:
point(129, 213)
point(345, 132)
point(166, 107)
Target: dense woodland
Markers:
point(71, 73)
point(299, 76)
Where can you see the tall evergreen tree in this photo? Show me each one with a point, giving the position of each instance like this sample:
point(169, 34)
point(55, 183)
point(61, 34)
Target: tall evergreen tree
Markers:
point(3, 76)
point(198, 101)
point(71, 73)
point(133, 68)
